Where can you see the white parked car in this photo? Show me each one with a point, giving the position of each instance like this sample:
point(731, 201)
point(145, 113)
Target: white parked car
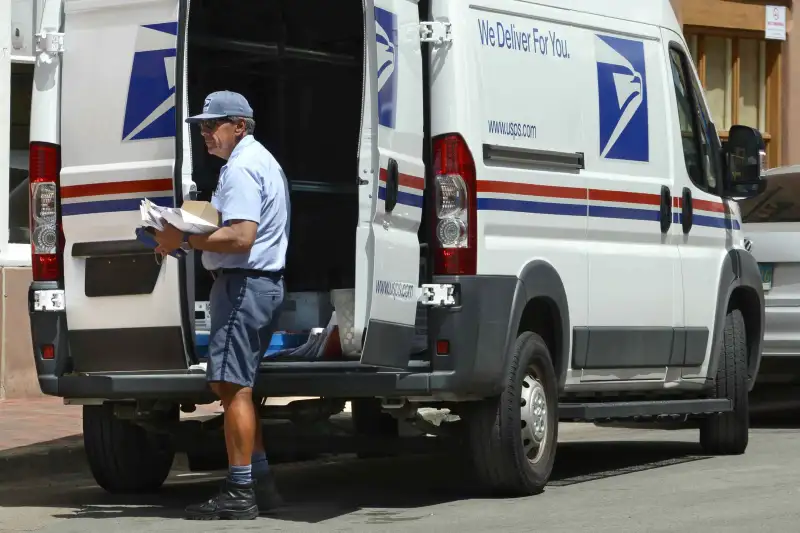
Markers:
point(772, 232)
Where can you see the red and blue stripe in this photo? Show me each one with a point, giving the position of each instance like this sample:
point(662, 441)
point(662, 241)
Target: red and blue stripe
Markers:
point(410, 190)
point(115, 196)
point(121, 196)
point(595, 203)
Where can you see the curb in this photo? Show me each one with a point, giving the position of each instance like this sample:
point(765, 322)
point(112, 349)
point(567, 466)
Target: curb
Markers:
point(61, 456)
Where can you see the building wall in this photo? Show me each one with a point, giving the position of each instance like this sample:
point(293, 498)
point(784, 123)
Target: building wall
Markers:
point(17, 371)
point(746, 18)
point(791, 98)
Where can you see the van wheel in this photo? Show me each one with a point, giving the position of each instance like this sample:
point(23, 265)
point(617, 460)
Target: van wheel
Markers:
point(728, 433)
point(513, 437)
point(124, 457)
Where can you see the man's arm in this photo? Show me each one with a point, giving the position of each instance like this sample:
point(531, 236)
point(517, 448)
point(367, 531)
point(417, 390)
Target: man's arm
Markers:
point(237, 238)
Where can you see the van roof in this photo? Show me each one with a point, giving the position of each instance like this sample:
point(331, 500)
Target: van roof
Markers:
point(652, 12)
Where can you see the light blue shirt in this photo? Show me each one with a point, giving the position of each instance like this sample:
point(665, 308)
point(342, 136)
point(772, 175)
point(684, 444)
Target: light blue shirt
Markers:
point(252, 186)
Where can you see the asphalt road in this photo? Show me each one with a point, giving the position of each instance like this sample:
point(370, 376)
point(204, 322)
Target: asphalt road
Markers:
point(606, 480)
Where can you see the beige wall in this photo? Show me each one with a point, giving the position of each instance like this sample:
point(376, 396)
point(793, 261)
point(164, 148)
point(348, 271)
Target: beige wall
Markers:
point(676, 5)
point(17, 370)
point(790, 123)
point(790, 143)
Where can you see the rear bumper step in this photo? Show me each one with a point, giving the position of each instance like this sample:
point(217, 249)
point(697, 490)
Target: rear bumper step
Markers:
point(278, 381)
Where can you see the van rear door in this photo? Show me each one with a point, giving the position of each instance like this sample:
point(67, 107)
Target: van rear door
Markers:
point(118, 128)
point(394, 107)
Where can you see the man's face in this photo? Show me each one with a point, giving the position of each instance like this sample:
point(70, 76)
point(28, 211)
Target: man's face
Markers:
point(221, 135)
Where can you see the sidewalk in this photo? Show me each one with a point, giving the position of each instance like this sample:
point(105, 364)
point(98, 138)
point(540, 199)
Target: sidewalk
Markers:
point(42, 435)
point(36, 421)
point(38, 436)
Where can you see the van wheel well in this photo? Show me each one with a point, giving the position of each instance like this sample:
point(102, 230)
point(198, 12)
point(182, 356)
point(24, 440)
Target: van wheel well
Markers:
point(541, 316)
point(746, 301)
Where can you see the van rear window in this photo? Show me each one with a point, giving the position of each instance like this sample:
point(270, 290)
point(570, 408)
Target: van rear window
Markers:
point(779, 203)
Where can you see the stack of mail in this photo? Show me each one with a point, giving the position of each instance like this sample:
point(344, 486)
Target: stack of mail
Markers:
point(151, 215)
point(192, 217)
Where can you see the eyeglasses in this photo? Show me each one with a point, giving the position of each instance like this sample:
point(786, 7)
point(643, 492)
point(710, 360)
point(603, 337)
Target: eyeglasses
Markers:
point(212, 123)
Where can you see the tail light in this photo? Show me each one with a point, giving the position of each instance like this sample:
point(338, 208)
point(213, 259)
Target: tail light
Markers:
point(455, 219)
point(47, 239)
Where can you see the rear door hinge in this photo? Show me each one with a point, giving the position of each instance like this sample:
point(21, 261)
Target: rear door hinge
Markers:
point(438, 295)
point(49, 44)
point(49, 300)
point(435, 32)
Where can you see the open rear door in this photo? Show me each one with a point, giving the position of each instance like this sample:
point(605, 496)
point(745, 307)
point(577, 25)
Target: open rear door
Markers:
point(394, 61)
point(118, 131)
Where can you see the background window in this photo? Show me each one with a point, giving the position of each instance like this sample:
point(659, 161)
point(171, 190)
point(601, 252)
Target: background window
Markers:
point(718, 81)
point(737, 72)
point(21, 87)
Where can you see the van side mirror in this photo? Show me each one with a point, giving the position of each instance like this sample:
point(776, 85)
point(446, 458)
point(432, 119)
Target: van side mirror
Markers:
point(745, 163)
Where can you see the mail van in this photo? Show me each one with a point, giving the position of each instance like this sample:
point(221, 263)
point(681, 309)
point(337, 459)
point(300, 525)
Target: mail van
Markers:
point(535, 189)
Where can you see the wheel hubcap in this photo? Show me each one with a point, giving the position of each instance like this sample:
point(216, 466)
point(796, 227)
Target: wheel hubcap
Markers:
point(533, 417)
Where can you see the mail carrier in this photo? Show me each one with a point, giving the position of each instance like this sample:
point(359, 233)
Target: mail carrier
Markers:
point(514, 212)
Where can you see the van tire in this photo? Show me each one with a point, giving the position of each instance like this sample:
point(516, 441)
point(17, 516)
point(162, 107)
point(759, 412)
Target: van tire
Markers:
point(728, 433)
point(124, 457)
point(496, 429)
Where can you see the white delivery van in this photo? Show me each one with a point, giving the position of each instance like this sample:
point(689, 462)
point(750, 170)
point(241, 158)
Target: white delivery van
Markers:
point(540, 179)
point(772, 232)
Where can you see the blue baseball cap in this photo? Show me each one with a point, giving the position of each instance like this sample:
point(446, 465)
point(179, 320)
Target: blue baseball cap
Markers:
point(223, 104)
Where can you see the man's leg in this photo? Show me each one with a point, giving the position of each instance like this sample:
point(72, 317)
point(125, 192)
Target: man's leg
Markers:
point(231, 373)
point(240, 427)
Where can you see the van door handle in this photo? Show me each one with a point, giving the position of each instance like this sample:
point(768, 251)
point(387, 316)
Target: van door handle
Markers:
point(392, 185)
point(687, 210)
point(665, 211)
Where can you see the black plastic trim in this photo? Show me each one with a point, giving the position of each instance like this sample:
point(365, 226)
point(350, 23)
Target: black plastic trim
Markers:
point(739, 271)
point(121, 275)
point(541, 280)
point(48, 327)
point(477, 330)
point(600, 410)
point(612, 347)
point(127, 349)
point(109, 248)
point(547, 159)
point(184, 278)
point(387, 344)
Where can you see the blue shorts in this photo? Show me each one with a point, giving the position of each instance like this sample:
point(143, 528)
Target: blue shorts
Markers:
point(244, 309)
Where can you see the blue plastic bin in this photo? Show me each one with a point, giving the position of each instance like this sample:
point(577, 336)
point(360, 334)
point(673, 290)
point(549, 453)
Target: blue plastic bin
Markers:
point(280, 341)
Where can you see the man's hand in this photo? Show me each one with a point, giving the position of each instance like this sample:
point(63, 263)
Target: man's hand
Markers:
point(168, 240)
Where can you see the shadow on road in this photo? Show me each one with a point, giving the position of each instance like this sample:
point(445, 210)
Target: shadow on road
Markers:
point(402, 488)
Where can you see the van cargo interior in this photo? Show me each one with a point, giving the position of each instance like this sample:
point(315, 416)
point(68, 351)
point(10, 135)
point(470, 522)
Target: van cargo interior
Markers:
point(299, 63)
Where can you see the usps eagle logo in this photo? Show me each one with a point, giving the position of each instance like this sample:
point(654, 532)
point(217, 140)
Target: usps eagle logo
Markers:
point(622, 91)
point(386, 43)
point(150, 106)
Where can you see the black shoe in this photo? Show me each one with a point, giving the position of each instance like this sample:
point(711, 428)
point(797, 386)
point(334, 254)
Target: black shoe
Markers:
point(267, 496)
point(234, 502)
